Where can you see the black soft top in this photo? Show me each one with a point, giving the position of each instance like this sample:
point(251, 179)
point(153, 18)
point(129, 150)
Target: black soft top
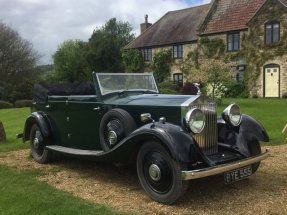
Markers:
point(42, 91)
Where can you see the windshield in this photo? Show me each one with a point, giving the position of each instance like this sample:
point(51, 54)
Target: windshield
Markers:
point(117, 82)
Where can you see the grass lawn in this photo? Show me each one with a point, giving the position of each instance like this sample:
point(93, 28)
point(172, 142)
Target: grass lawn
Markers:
point(271, 113)
point(13, 121)
point(22, 193)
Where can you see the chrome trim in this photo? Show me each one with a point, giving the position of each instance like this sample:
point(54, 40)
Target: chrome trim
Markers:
point(200, 173)
point(207, 140)
point(227, 112)
point(189, 101)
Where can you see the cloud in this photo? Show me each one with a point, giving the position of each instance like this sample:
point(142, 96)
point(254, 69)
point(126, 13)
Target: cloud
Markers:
point(46, 24)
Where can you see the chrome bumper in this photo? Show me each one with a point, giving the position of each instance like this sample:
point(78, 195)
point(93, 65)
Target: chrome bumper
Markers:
point(200, 173)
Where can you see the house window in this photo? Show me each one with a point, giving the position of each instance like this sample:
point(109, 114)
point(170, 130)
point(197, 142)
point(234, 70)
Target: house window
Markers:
point(233, 41)
point(272, 32)
point(148, 54)
point(177, 51)
point(178, 79)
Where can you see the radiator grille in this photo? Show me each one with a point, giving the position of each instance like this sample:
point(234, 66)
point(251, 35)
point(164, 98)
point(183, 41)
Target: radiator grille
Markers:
point(207, 139)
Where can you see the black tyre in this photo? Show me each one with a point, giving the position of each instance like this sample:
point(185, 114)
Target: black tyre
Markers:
point(37, 145)
point(115, 125)
point(255, 149)
point(159, 174)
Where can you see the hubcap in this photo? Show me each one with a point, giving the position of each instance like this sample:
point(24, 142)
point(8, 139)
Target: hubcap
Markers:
point(112, 137)
point(36, 143)
point(154, 172)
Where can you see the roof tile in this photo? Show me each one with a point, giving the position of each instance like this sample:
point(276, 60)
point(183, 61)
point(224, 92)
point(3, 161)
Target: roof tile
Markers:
point(231, 15)
point(174, 27)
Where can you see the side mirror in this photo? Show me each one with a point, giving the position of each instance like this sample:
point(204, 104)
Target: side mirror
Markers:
point(145, 117)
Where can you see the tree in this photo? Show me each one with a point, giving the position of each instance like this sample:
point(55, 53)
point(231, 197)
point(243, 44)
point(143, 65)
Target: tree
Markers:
point(161, 64)
point(207, 65)
point(18, 60)
point(133, 60)
point(70, 64)
point(17, 56)
point(105, 44)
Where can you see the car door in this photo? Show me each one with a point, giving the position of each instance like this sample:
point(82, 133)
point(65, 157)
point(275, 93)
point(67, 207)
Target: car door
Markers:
point(84, 120)
point(56, 110)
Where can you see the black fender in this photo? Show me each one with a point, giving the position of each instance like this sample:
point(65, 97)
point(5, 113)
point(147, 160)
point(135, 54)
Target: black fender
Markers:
point(179, 143)
point(240, 137)
point(41, 120)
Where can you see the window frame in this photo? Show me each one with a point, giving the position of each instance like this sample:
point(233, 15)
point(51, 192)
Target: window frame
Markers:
point(272, 23)
point(179, 54)
point(227, 41)
point(178, 82)
point(147, 52)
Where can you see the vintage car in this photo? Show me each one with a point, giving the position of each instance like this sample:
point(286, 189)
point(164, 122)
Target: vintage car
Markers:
point(122, 118)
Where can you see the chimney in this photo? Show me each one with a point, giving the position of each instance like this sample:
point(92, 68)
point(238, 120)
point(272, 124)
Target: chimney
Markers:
point(145, 25)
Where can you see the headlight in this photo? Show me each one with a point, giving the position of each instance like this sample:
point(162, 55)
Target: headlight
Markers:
point(232, 115)
point(195, 120)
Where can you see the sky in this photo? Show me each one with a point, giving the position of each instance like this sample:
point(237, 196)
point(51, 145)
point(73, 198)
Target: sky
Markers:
point(48, 23)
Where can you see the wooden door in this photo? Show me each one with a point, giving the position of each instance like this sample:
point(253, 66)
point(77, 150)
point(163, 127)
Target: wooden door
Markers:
point(272, 82)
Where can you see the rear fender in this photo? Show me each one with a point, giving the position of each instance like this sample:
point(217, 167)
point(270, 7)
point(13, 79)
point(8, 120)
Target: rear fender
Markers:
point(40, 119)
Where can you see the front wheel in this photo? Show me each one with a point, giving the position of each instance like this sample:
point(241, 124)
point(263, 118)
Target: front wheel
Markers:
point(255, 149)
point(37, 145)
point(159, 174)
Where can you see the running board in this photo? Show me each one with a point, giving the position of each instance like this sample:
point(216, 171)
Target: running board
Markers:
point(73, 151)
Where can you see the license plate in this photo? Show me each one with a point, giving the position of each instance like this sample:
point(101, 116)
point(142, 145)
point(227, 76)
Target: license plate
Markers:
point(237, 174)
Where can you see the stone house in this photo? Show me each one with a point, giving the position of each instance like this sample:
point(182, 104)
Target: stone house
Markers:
point(257, 29)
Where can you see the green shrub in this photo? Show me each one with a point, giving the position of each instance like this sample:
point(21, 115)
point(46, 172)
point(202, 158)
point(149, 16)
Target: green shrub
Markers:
point(168, 88)
point(235, 89)
point(168, 91)
point(5, 105)
point(23, 103)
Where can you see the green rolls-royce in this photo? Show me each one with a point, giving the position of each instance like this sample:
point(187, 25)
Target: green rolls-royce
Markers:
point(122, 118)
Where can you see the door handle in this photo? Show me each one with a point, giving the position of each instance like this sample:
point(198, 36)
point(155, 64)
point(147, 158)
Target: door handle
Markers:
point(97, 108)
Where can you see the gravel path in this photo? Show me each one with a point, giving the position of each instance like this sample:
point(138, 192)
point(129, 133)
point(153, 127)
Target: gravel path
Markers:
point(263, 193)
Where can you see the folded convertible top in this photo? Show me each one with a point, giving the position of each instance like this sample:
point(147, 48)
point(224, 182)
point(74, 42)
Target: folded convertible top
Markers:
point(42, 91)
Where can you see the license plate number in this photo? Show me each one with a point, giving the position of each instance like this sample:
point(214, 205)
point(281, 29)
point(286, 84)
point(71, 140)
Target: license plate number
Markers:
point(237, 174)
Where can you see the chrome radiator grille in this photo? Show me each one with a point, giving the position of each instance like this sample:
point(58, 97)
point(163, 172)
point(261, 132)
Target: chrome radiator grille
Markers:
point(207, 139)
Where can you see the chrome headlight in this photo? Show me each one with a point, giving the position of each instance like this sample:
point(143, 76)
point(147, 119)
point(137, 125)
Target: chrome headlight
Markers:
point(195, 120)
point(232, 115)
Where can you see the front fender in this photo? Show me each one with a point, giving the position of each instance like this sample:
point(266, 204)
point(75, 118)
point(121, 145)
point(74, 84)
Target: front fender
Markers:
point(40, 119)
point(240, 137)
point(179, 143)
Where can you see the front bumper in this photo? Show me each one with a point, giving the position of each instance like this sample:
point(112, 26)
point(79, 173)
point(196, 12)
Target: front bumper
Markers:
point(209, 171)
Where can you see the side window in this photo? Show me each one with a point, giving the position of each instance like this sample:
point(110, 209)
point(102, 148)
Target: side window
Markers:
point(178, 79)
point(233, 41)
point(148, 54)
point(177, 51)
point(272, 32)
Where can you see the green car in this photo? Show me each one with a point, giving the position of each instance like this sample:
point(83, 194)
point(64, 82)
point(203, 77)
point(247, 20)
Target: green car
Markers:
point(122, 118)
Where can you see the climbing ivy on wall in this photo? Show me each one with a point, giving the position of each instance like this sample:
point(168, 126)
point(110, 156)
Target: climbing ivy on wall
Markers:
point(161, 65)
point(253, 48)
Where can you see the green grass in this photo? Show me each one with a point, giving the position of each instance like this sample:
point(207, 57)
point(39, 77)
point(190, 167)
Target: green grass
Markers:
point(13, 121)
point(22, 194)
point(271, 113)
point(20, 191)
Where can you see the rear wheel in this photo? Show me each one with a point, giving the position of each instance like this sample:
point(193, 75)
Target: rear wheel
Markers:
point(159, 174)
point(37, 145)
